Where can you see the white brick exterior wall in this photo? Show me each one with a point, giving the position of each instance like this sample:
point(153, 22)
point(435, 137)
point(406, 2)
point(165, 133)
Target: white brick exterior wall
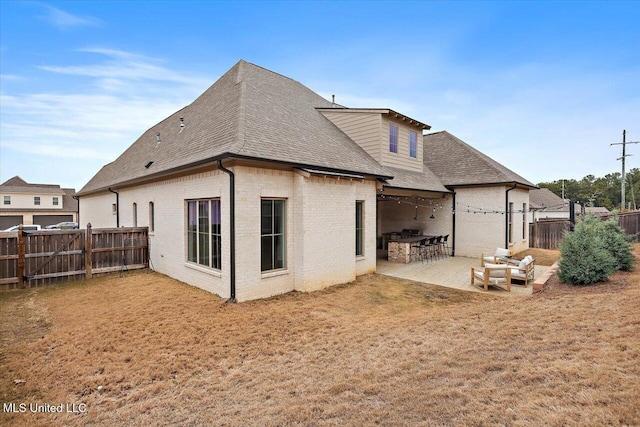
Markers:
point(478, 233)
point(320, 227)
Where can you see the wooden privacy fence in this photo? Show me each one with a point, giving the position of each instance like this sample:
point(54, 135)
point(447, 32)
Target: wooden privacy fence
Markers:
point(53, 256)
point(547, 234)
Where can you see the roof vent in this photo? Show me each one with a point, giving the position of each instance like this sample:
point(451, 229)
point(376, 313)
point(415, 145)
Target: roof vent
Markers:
point(333, 100)
point(158, 140)
point(148, 165)
point(181, 124)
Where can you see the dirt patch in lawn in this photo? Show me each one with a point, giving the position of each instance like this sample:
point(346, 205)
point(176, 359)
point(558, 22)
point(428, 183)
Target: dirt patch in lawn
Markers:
point(145, 349)
point(541, 256)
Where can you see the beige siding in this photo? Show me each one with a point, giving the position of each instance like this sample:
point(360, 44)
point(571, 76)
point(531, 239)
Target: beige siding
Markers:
point(363, 128)
point(401, 159)
point(25, 201)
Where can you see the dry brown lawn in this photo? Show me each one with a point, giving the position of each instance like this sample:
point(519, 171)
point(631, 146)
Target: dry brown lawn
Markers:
point(542, 256)
point(147, 350)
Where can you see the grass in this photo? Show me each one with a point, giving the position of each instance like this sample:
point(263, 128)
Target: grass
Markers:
point(144, 349)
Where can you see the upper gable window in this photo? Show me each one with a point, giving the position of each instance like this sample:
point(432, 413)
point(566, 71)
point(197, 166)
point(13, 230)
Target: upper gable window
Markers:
point(413, 144)
point(393, 138)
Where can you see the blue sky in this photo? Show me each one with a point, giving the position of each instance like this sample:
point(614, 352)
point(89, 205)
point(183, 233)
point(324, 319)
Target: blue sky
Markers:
point(542, 87)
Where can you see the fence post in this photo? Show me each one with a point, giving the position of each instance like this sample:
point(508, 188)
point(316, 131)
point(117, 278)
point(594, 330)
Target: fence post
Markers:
point(88, 253)
point(21, 258)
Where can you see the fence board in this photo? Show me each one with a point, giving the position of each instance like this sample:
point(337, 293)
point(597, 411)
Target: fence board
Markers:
point(56, 256)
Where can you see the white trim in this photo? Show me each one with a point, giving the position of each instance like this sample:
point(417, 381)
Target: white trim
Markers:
point(274, 273)
point(211, 271)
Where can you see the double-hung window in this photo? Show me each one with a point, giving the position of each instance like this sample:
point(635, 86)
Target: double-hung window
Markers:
point(36, 200)
point(272, 234)
point(204, 238)
point(55, 201)
point(359, 228)
point(393, 138)
point(413, 144)
point(7, 200)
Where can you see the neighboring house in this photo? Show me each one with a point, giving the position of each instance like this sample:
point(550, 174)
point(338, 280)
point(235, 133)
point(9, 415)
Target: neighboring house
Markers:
point(545, 204)
point(597, 211)
point(261, 186)
point(42, 204)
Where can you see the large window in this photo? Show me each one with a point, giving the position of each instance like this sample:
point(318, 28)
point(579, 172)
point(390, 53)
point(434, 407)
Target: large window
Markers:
point(272, 234)
point(393, 138)
point(413, 144)
point(359, 228)
point(204, 238)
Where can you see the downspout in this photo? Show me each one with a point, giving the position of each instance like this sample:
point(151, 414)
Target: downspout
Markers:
point(78, 211)
point(453, 232)
point(232, 232)
point(506, 216)
point(117, 207)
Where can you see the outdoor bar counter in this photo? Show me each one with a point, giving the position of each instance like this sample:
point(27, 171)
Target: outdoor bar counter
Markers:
point(400, 249)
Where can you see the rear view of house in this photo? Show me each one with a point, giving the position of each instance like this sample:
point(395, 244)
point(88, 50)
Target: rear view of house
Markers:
point(260, 187)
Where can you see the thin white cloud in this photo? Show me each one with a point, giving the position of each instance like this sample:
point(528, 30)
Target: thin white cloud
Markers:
point(11, 77)
point(65, 20)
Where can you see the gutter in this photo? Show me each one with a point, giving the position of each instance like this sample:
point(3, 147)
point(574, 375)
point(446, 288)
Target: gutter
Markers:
point(78, 211)
point(453, 231)
point(506, 215)
point(117, 206)
point(232, 233)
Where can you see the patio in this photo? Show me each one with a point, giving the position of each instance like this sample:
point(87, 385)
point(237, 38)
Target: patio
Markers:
point(452, 272)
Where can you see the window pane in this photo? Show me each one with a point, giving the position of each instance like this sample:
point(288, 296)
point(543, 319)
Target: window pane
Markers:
point(203, 216)
point(393, 138)
point(192, 221)
point(278, 260)
point(267, 217)
point(413, 144)
point(267, 253)
point(203, 255)
point(359, 227)
point(278, 216)
point(215, 217)
point(216, 261)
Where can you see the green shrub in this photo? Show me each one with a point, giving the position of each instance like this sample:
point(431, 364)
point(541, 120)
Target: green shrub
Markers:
point(617, 244)
point(586, 258)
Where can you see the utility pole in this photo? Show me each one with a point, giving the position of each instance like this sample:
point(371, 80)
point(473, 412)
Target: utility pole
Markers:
point(624, 155)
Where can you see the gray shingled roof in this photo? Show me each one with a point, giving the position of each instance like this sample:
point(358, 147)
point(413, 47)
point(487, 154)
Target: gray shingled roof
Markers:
point(425, 180)
point(545, 199)
point(19, 185)
point(456, 163)
point(249, 112)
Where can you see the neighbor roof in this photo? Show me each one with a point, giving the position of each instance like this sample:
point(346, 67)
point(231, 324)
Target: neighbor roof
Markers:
point(19, 185)
point(456, 163)
point(250, 113)
point(545, 199)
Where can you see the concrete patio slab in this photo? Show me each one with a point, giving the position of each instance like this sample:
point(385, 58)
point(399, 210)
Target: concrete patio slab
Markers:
point(452, 272)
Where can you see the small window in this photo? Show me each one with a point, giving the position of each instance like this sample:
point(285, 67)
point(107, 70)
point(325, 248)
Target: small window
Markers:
point(55, 201)
point(135, 214)
point(204, 237)
point(7, 200)
point(393, 138)
point(36, 200)
point(359, 228)
point(524, 221)
point(413, 144)
point(510, 222)
point(272, 234)
point(152, 221)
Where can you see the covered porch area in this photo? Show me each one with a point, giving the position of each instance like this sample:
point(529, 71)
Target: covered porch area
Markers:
point(405, 218)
